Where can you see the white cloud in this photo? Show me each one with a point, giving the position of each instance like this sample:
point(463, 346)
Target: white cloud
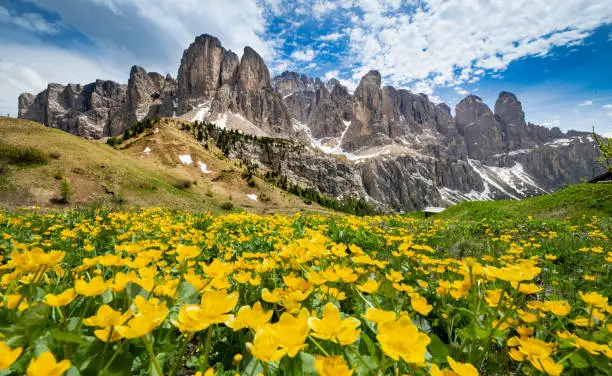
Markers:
point(459, 90)
point(331, 74)
point(444, 37)
point(321, 7)
point(22, 70)
point(586, 103)
point(607, 106)
point(150, 33)
point(303, 55)
point(332, 37)
point(29, 21)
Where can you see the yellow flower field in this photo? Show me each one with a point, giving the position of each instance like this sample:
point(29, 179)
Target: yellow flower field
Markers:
point(103, 292)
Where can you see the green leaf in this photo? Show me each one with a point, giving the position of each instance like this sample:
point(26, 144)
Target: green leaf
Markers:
point(578, 361)
point(437, 349)
point(187, 294)
point(308, 364)
point(68, 337)
point(107, 296)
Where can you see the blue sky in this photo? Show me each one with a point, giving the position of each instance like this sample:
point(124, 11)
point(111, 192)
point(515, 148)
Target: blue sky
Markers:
point(554, 54)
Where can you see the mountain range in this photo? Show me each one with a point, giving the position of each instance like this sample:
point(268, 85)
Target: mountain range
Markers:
point(393, 147)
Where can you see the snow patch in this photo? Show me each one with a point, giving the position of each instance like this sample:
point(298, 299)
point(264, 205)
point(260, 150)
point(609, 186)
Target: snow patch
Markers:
point(202, 111)
point(147, 150)
point(252, 196)
point(186, 159)
point(204, 168)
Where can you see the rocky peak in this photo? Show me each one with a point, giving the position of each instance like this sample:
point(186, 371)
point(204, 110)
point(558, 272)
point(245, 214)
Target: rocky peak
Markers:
point(149, 94)
point(481, 131)
point(288, 83)
point(371, 79)
point(332, 83)
point(509, 109)
point(253, 73)
point(205, 67)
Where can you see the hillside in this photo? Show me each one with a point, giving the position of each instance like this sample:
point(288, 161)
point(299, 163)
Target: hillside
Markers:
point(575, 201)
point(129, 176)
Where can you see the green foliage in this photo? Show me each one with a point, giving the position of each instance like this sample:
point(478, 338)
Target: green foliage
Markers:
point(65, 192)
point(22, 155)
point(604, 145)
point(227, 206)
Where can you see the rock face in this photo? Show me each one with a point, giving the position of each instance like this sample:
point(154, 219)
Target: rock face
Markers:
point(393, 147)
point(149, 95)
point(94, 110)
point(205, 67)
point(481, 131)
point(290, 82)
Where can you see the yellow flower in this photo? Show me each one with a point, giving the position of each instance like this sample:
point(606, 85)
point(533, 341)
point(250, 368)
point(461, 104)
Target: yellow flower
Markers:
point(46, 365)
point(94, 287)
point(247, 317)
point(151, 313)
point(8, 356)
point(107, 317)
point(213, 309)
point(402, 339)
point(209, 372)
point(292, 332)
point(394, 276)
point(378, 315)
point(493, 297)
point(462, 369)
point(333, 328)
point(594, 299)
point(272, 297)
point(332, 366)
point(60, 300)
point(526, 288)
point(547, 365)
point(266, 346)
point(524, 271)
point(419, 304)
point(370, 286)
point(557, 307)
point(184, 252)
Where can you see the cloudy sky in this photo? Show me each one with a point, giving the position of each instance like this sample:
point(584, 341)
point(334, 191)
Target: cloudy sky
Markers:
point(554, 54)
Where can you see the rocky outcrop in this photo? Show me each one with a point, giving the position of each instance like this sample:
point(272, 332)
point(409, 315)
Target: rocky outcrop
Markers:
point(149, 95)
point(252, 96)
point(205, 67)
point(94, 110)
point(479, 128)
point(288, 83)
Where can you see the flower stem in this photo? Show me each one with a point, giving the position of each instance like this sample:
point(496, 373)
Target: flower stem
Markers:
point(181, 353)
point(207, 349)
point(152, 359)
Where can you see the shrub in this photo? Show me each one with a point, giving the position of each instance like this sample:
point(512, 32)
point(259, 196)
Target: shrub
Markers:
point(184, 184)
point(3, 168)
point(22, 156)
point(58, 175)
point(113, 141)
point(227, 206)
point(65, 192)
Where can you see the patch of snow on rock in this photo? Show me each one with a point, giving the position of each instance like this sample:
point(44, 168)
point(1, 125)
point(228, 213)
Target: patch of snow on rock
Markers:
point(252, 196)
point(202, 111)
point(147, 150)
point(185, 159)
point(204, 168)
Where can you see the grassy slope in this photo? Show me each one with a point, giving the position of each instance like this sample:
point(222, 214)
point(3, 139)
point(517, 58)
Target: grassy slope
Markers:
point(134, 178)
point(574, 202)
